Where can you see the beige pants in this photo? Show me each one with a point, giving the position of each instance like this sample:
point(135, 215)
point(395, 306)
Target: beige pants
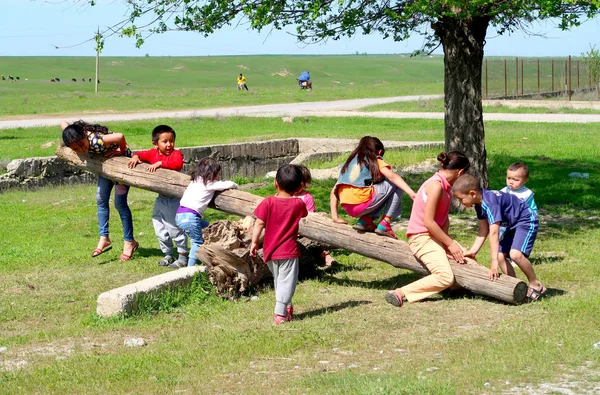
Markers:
point(433, 254)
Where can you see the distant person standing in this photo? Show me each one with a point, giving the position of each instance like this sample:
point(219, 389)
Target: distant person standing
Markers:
point(241, 81)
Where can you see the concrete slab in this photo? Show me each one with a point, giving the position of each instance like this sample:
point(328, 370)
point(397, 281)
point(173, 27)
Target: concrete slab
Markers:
point(124, 299)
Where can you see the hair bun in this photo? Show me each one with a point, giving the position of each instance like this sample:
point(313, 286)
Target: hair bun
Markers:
point(443, 158)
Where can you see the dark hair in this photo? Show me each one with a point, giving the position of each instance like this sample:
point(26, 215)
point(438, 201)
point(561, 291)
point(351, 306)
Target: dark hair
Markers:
point(160, 129)
point(289, 178)
point(466, 183)
point(306, 176)
point(77, 130)
point(519, 165)
point(207, 169)
point(366, 154)
point(240, 74)
point(454, 160)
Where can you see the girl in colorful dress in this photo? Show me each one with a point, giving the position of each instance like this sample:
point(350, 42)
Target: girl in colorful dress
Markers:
point(367, 188)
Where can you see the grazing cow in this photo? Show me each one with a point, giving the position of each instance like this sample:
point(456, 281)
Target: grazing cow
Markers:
point(74, 79)
point(98, 81)
point(83, 80)
point(57, 79)
point(89, 80)
point(53, 80)
point(17, 78)
point(3, 77)
point(10, 77)
point(129, 83)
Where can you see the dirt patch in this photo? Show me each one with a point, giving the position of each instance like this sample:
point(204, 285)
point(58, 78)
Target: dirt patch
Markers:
point(23, 357)
point(427, 166)
point(177, 68)
point(241, 66)
point(581, 380)
point(282, 73)
point(117, 63)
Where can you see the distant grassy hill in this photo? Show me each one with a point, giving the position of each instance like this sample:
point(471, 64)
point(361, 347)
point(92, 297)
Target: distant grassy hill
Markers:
point(159, 83)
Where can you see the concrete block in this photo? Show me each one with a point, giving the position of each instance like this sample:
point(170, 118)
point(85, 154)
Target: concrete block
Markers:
point(124, 299)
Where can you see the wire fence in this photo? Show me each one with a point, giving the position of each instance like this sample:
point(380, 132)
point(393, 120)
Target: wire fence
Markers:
point(527, 78)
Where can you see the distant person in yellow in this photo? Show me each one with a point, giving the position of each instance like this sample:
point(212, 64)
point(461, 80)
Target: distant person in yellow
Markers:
point(242, 82)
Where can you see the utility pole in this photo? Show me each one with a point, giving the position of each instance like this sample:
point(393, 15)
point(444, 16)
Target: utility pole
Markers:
point(97, 60)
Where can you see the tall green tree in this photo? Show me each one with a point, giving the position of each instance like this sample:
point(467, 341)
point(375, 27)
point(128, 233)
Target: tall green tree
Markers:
point(460, 26)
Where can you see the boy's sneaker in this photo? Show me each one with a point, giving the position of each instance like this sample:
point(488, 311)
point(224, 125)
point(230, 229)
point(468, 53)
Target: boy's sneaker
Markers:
point(177, 265)
point(279, 319)
point(290, 313)
point(166, 261)
point(182, 259)
point(384, 229)
point(364, 224)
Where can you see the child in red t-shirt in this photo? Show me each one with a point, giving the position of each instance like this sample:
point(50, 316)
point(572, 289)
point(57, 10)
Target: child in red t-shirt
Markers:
point(279, 216)
point(166, 156)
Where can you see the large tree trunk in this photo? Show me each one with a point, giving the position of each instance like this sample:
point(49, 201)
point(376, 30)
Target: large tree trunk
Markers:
point(463, 41)
point(317, 226)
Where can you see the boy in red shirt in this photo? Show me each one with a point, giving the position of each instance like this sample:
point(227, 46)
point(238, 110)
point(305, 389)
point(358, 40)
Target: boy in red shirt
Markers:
point(166, 156)
point(279, 216)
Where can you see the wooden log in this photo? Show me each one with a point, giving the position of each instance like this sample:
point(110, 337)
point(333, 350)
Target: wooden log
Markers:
point(316, 226)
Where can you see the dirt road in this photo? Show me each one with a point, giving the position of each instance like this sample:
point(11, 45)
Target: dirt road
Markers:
point(339, 108)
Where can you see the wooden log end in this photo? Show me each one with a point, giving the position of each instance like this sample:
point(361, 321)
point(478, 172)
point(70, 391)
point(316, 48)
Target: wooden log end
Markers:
point(520, 293)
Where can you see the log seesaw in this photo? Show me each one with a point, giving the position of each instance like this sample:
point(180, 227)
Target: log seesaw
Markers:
point(317, 226)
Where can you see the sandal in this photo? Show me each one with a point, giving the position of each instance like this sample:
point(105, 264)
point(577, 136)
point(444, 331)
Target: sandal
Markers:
point(534, 294)
point(100, 251)
point(125, 257)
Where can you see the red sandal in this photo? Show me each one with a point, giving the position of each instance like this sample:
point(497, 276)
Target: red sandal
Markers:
point(125, 257)
point(100, 251)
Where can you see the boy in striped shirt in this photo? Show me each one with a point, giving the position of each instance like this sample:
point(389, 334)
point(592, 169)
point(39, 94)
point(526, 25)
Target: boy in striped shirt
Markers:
point(495, 209)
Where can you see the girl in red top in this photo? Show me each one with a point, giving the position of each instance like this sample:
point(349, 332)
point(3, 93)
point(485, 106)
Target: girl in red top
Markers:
point(427, 232)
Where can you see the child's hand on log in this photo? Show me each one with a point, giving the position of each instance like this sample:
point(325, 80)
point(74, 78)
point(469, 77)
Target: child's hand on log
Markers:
point(133, 162)
point(457, 252)
point(152, 168)
point(493, 274)
point(253, 249)
point(470, 254)
point(338, 220)
point(113, 153)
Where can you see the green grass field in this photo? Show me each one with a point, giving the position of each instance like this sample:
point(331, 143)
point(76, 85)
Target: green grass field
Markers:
point(130, 84)
point(346, 338)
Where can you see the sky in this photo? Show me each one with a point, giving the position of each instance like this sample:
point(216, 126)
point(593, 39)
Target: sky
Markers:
point(62, 27)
